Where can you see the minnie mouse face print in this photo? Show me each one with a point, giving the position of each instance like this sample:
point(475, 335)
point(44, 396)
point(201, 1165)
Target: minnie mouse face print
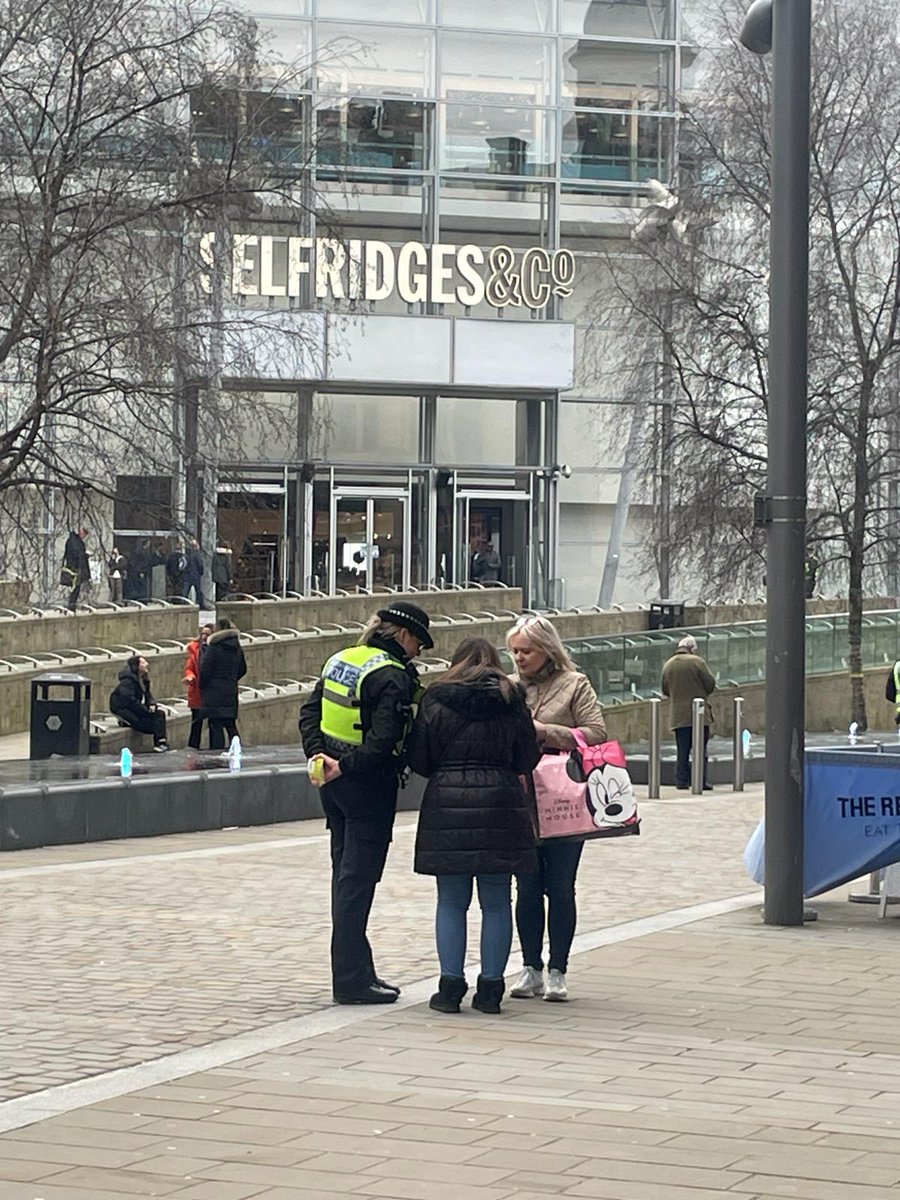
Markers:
point(610, 796)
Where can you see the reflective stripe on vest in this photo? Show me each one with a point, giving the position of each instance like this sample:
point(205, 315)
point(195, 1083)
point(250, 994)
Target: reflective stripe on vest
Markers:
point(342, 680)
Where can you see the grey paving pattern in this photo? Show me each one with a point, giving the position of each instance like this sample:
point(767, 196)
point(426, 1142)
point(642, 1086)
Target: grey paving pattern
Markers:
point(158, 948)
point(717, 1061)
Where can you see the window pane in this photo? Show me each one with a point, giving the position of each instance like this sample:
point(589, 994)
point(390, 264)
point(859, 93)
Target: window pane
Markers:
point(601, 75)
point(535, 17)
point(509, 210)
point(620, 146)
point(408, 11)
point(286, 43)
point(475, 432)
point(489, 68)
point(371, 60)
point(618, 18)
point(274, 8)
point(498, 141)
point(378, 429)
point(383, 134)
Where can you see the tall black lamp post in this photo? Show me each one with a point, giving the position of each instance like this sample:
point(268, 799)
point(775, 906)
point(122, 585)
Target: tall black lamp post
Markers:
point(783, 27)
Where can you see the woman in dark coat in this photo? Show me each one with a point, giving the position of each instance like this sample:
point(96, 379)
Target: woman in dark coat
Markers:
point(222, 664)
point(473, 739)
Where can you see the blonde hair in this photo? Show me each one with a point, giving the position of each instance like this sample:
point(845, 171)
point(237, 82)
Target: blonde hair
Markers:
point(375, 626)
point(541, 633)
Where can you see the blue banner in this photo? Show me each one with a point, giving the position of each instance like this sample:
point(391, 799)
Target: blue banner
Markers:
point(851, 819)
point(851, 816)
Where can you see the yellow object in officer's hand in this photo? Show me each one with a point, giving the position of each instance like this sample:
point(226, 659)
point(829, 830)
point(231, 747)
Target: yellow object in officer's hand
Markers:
point(315, 769)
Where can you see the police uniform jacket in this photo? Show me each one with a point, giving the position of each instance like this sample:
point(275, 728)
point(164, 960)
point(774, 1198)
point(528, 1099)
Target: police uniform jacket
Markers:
point(386, 700)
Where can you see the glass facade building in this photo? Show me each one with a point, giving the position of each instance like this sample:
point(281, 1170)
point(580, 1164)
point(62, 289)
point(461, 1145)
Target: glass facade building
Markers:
point(466, 165)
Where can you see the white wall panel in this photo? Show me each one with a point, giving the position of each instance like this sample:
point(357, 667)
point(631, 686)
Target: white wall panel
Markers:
point(381, 349)
point(274, 345)
point(536, 354)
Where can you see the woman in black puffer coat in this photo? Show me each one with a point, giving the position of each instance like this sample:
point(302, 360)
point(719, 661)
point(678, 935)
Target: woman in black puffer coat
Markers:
point(221, 667)
point(473, 739)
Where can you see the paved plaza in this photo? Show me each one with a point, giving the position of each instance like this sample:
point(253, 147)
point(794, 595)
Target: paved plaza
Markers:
point(167, 1031)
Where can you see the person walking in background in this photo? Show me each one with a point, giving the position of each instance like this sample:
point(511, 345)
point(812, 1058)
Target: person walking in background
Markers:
point(176, 565)
point(116, 571)
point(356, 723)
point(222, 571)
point(892, 690)
point(559, 699)
point(131, 700)
point(195, 652)
point(76, 570)
point(138, 581)
point(486, 564)
point(686, 677)
point(473, 738)
point(193, 574)
point(222, 665)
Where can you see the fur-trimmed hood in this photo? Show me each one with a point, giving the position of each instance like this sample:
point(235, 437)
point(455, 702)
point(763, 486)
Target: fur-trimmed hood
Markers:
point(223, 635)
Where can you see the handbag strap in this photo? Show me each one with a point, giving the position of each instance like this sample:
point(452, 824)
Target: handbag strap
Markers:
point(579, 737)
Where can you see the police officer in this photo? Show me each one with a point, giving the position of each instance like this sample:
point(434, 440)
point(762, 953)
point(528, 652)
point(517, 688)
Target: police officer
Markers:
point(358, 719)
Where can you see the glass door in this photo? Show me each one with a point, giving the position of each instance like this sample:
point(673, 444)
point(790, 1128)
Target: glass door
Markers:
point(492, 536)
point(370, 539)
point(350, 551)
point(388, 525)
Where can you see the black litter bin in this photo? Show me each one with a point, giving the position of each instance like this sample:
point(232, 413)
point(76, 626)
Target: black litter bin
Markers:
point(666, 614)
point(60, 715)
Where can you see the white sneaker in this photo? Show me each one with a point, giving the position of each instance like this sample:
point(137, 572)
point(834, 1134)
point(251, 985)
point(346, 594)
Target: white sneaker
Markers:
point(556, 987)
point(531, 983)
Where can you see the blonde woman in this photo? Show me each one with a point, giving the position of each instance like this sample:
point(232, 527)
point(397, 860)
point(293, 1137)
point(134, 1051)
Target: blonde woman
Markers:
point(559, 699)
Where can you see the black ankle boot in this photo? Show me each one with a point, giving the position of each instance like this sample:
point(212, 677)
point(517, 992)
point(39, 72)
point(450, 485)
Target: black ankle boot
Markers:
point(488, 994)
point(451, 989)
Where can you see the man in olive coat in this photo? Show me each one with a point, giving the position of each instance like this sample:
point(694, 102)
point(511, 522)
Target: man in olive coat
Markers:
point(686, 677)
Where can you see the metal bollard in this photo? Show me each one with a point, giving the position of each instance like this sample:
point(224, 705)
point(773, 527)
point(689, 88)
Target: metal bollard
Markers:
point(737, 743)
point(698, 747)
point(653, 758)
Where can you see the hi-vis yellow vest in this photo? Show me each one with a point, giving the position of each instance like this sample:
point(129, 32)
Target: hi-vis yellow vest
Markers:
point(342, 679)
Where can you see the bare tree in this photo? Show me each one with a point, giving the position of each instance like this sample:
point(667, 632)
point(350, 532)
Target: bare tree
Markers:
point(129, 129)
point(704, 311)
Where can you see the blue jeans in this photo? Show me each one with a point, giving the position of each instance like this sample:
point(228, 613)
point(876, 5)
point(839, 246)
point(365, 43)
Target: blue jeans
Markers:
point(555, 878)
point(454, 898)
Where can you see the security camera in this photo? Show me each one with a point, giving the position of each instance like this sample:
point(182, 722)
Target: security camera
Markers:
point(566, 471)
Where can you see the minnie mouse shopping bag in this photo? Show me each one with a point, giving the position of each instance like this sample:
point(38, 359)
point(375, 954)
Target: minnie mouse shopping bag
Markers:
point(586, 793)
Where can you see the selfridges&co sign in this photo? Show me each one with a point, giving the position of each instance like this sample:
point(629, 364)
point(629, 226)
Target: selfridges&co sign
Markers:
point(469, 275)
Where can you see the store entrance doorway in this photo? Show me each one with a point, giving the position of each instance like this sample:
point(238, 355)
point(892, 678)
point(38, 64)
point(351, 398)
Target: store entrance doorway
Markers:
point(492, 538)
point(252, 522)
point(370, 539)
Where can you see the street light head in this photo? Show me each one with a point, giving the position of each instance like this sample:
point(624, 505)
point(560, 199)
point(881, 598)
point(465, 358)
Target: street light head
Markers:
point(756, 34)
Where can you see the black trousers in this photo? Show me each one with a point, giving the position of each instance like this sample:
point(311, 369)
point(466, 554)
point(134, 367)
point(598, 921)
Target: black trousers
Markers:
point(145, 721)
point(73, 596)
point(684, 742)
point(219, 727)
point(555, 878)
point(193, 584)
point(196, 728)
point(360, 819)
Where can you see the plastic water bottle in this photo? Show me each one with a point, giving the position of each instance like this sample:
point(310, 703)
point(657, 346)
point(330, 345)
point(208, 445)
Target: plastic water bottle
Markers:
point(745, 743)
point(852, 733)
point(235, 754)
point(126, 763)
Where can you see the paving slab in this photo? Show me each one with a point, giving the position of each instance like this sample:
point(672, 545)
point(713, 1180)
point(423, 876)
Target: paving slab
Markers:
point(702, 1056)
